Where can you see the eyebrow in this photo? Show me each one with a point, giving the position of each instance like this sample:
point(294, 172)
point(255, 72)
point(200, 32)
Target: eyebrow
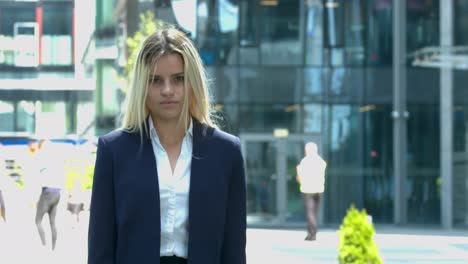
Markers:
point(152, 76)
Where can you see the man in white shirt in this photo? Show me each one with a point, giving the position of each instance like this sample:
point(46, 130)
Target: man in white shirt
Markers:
point(311, 177)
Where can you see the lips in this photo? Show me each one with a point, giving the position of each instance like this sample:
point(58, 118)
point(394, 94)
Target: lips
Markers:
point(168, 103)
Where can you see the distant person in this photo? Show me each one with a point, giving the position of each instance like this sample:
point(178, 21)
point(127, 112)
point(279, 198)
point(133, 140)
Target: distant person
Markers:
point(169, 187)
point(311, 177)
point(2, 205)
point(2, 185)
point(75, 203)
point(52, 178)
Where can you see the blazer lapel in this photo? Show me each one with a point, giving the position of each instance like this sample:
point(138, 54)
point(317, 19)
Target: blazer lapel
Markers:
point(148, 167)
point(199, 160)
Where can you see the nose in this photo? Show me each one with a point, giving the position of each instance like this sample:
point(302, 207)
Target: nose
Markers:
point(167, 88)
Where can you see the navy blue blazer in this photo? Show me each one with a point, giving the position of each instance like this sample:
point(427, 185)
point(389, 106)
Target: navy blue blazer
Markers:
point(124, 224)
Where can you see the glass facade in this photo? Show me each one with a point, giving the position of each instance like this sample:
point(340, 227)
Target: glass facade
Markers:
point(324, 68)
point(33, 35)
point(321, 69)
point(460, 122)
point(38, 89)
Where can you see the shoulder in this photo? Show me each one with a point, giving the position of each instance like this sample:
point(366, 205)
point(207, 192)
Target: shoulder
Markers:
point(118, 138)
point(226, 137)
point(218, 141)
point(222, 139)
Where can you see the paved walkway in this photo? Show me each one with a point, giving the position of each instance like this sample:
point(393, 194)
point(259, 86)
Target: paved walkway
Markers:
point(19, 243)
point(396, 245)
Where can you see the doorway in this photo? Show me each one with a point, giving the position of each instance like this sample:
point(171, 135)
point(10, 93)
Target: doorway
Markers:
point(273, 195)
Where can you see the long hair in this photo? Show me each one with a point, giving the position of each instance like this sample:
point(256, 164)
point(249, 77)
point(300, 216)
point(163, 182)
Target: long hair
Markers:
point(168, 40)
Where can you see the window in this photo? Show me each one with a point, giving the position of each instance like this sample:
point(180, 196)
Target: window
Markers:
point(56, 38)
point(280, 33)
point(18, 37)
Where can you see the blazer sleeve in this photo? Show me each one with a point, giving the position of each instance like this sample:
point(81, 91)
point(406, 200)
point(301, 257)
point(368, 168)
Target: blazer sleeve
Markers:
point(233, 250)
point(102, 229)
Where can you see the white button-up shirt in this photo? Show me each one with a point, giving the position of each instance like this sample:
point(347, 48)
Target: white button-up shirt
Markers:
point(173, 194)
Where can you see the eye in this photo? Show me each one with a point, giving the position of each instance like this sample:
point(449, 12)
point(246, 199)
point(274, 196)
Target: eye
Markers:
point(179, 78)
point(155, 80)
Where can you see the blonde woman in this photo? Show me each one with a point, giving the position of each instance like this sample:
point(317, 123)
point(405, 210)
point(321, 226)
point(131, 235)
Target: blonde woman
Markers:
point(169, 187)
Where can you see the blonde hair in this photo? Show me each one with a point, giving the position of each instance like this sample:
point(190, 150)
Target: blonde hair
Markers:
point(168, 40)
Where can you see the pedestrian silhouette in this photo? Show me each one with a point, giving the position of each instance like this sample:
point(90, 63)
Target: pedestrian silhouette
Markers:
point(51, 177)
point(311, 177)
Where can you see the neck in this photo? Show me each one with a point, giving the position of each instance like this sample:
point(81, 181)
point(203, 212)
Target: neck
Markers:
point(169, 133)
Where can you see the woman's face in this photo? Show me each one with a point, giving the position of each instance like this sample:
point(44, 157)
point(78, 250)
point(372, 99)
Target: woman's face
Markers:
point(166, 88)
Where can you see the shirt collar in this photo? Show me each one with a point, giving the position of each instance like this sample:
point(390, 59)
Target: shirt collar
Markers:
point(153, 132)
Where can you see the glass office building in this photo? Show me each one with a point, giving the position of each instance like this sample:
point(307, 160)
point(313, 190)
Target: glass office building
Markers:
point(377, 84)
point(286, 72)
point(39, 87)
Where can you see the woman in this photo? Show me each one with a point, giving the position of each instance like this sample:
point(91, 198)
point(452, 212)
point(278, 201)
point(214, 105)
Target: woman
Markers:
point(168, 187)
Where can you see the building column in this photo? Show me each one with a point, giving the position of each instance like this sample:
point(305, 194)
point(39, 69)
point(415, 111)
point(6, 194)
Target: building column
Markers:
point(446, 117)
point(399, 113)
point(105, 94)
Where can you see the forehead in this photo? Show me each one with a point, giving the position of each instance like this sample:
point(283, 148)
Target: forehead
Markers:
point(170, 63)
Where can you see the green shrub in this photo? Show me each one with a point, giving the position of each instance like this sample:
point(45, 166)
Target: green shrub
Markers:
point(356, 239)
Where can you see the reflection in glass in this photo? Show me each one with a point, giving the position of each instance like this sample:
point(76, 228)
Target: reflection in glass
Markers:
point(295, 204)
point(461, 23)
point(337, 76)
point(340, 126)
point(224, 86)
point(56, 41)
point(313, 118)
point(378, 161)
point(217, 35)
point(423, 160)
point(266, 118)
point(334, 23)
point(229, 15)
point(422, 24)
point(10, 45)
point(380, 30)
point(26, 39)
point(355, 26)
point(248, 34)
point(270, 84)
point(314, 32)
point(345, 173)
point(280, 35)
point(334, 12)
point(460, 123)
point(25, 117)
point(261, 180)
point(346, 84)
point(6, 116)
point(314, 84)
point(460, 165)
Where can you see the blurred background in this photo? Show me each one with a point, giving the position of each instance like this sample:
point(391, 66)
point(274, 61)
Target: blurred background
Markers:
point(377, 84)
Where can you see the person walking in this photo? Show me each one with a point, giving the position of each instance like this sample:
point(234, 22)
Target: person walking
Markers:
point(311, 177)
point(52, 180)
point(169, 186)
point(2, 185)
point(2, 205)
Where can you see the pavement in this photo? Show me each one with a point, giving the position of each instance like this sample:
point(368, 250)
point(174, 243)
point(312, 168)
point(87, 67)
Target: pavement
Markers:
point(396, 245)
point(19, 243)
